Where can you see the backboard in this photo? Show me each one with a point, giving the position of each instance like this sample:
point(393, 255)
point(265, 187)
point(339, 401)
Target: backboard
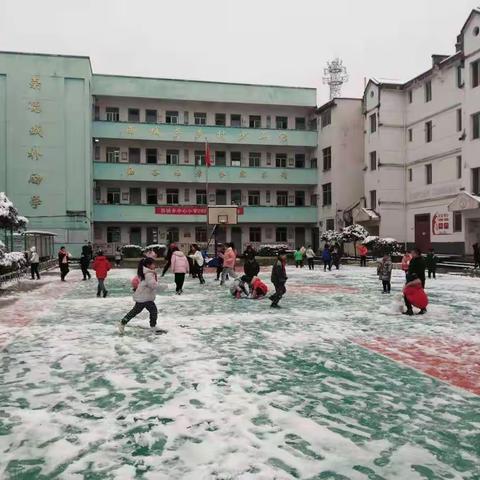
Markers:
point(223, 215)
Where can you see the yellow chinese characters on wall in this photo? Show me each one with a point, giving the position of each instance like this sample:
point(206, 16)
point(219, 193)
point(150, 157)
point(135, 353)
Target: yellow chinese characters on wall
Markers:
point(36, 130)
point(34, 107)
point(35, 178)
point(35, 82)
point(34, 153)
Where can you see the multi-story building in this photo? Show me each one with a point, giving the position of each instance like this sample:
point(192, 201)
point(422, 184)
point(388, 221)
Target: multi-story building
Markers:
point(422, 152)
point(122, 159)
point(340, 161)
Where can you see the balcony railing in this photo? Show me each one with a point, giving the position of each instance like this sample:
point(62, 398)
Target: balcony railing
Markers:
point(147, 214)
point(201, 133)
point(190, 174)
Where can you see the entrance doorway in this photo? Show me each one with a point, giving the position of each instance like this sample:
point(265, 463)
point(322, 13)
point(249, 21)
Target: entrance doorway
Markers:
point(422, 232)
point(299, 237)
point(473, 235)
point(237, 238)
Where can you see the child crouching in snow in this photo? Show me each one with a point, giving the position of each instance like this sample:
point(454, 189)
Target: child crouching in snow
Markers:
point(144, 295)
point(414, 295)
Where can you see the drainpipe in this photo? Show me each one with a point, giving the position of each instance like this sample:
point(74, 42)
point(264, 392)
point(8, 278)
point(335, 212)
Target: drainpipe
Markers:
point(405, 179)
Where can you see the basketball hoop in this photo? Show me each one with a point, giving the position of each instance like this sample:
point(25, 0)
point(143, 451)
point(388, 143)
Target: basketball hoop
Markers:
point(222, 219)
point(223, 215)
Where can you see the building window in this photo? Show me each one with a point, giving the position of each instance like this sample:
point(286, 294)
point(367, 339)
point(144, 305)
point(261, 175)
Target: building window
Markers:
point(152, 235)
point(133, 115)
point(476, 181)
point(172, 157)
point(373, 199)
point(97, 152)
point(113, 196)
point(255, 121)
point(373, 123)
point(410, 135)
point(199, 157)
point(373, 160)
point(185, 118)
point(201, 234)
point(428, 174)
point(459, 166)
point(235, 120)
point(186, 195)
point(267, 196)
point(98, 194)
point(200, 118)
point(281, 234)
point(299, 198)
point(476, 125)
point(457, 222)
point(113, 154)
point(313, 200)
point(152, 196)
point(133, 155)
point(151, 116)
point(300, 123)
point(281, 160)
point(171, 117)
point(428, 131)
point(172, 196)
point(96, 114)
point(326, 194)
point(255, 234)
point(201, 197)
point(113, 114)
point(236, 197)
point(327, 158)
point(459, 120)
point(460, 82)
point(282, 198)
point(135, 196)
point(173, 234)
point(220, 119)
point(475, 68)
point(330, 224)
point(151, 154)
point(410, 175)
point(428, 91)
point(236, 159)
point(299, 160)
point(113, 234)
point(326, 118)
point(410, 96)
point(254, 159)
point(220, 159)
point(313, 163)
point(253, 197)
point(281, 123)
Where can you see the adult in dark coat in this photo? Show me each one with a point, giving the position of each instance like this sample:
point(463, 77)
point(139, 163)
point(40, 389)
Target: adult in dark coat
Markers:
point(85, 261)
point(251, 268)
point(476, 255)
point(249, 253)
point(417, 265)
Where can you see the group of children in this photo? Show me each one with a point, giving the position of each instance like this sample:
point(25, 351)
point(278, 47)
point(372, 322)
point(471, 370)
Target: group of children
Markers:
point(302, 253)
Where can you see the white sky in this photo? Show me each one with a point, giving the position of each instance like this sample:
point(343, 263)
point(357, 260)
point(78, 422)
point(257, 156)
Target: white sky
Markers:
point(255, 41)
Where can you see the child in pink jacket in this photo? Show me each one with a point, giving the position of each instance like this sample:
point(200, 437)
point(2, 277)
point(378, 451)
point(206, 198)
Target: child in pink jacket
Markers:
point(180, 267)
point(229, 260)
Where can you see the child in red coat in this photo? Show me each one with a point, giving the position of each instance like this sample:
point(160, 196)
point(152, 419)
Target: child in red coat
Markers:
point(414, 295)
point(101, 265)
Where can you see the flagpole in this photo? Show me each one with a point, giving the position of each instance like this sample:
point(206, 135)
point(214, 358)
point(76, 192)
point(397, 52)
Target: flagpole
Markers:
point(206, 184)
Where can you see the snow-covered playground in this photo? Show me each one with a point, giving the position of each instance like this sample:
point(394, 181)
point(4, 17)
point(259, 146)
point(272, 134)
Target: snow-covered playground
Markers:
point(336, 385)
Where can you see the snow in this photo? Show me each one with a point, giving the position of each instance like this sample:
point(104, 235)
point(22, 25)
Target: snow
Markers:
point(234, 390)
point(10, 258)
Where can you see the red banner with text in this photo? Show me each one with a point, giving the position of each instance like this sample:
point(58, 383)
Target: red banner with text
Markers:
point(186, 210)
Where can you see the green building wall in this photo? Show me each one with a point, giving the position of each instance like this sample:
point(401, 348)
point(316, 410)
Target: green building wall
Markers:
point(45, 142)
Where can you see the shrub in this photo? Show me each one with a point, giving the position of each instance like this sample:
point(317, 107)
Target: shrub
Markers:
point(132, 251)
point(382, 246)
point(267, 250)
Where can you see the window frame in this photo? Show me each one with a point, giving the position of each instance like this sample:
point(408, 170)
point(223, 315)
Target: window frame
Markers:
point(254, 159)
point(281, 234)
point(327, 194)
point(281, 160)
point(327, 158)
point(200, 118)
point(457, 222)
point(373, 122)
point(218, 120)
point(201, 196)
point(172, 153)
point(148, 111)
point(326, 118)
point(429, 131)
point(237, 162)
point(302, 121)
point(254, 197)
point(255, 234)
point(373, 200)
point(151, 192)
point(148, 152)
point(428, 91)
point(114, 150)
point(373, 160)
point(129, 113)
point(118, 234)
point(114, 112)
point(281, 122)
point(459, 167)
point(476, 126)
point(256, 120)
point(281, 198)
point(170, 195)
point(237, 122)
point(459, 117)
point(171, 115)
point(475, 73)
point(428, 174)
point(113, 191)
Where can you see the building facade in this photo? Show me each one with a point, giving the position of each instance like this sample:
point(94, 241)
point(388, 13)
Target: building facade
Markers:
point(121, 160)
point(422, 152)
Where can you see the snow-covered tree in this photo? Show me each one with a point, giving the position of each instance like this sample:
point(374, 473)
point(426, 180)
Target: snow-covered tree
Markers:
point(9, 217)
point(354, 233)
point(381, 246)
point(331, 237)
point(10, 261)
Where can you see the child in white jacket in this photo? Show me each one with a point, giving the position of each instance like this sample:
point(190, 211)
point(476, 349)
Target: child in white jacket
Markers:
point(198, 262)
point(144, 296)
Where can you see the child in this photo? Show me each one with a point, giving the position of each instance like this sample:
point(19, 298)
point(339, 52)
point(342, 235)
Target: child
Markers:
point(385, 272)
point(363, 252)
point(279, 278)
point(258, 288)
point(336, 257)
point(63, 258)
point(414, 295)
point(198, 262)
point(229, 260)
point(144, 295)
point(298, 256)
point(406, 259)
point(180, 267)
point(34, 262)
point(310, 254)
point(240, 287)
point(101, 265)
point(118, 257)
point(431, 261)
point(327, 258)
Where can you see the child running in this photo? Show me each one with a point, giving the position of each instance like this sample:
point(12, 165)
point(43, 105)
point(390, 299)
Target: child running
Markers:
point(144, 296)
point(101, 265)
point(310, 254)
point(180, 267)
point(198, 262)
point(279, 278)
